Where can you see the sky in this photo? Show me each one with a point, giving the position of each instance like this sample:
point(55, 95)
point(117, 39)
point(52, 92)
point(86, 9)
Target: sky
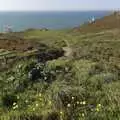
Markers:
point(58, 5)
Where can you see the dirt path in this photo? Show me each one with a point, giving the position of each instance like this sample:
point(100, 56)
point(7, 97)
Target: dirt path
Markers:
point(67, 51)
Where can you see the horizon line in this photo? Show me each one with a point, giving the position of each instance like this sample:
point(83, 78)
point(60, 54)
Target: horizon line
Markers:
point(56, 10)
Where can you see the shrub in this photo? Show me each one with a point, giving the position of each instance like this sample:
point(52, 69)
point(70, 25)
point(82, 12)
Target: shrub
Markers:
point(29, 66)
point(41, 72)
point(34, 74)
point(8, 100)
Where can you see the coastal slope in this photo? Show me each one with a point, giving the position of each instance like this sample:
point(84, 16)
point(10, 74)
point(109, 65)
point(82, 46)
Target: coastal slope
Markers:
point(67, 74)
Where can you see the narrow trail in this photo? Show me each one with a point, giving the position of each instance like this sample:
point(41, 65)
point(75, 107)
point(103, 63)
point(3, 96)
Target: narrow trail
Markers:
point(67, 51)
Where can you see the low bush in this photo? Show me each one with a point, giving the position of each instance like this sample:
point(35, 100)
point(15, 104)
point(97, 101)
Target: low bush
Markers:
point(8, 100)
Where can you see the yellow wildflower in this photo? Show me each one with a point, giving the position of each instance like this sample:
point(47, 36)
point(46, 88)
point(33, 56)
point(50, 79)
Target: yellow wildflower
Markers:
point(83, 114)
point(61, 112)
point(83, 102)
point(40, 94)
point(97, 109)
point(68, 105)
point(36, 105)
point(14, 103)
point(16, 106)
point(73, 98)
point(99, 105)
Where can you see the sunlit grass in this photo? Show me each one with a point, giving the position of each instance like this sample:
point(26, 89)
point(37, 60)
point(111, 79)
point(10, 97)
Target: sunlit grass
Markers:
point(84, 86)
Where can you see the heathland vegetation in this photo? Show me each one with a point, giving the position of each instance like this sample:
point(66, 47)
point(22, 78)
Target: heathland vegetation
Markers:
point(70, 74)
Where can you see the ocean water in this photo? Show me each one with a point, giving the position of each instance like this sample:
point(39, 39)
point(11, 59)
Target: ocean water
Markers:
point(52, 20)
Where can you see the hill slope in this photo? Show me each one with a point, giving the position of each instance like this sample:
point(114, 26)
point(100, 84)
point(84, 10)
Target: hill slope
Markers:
point(82, 85)
point(108, 22)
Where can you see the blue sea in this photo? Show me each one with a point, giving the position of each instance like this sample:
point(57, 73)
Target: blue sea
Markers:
point(52, 20)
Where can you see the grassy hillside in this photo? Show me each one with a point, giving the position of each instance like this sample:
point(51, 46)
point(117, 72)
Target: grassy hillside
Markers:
point(83, 83)
point(108, 22)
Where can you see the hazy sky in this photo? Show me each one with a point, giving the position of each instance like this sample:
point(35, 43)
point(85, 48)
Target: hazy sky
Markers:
point(59, 4)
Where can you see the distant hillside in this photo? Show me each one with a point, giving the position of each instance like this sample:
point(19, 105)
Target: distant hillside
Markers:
point(108, 22)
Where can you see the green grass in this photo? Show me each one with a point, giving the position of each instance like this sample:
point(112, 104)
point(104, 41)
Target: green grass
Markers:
point(82, 86)
point(6, 53)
